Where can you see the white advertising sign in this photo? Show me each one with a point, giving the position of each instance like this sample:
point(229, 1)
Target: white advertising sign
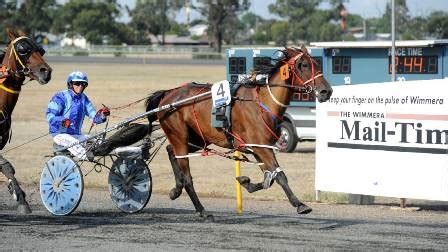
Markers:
point(385, 139)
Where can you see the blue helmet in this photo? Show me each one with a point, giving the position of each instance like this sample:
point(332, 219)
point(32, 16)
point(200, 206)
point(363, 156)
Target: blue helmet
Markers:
point(77, 76)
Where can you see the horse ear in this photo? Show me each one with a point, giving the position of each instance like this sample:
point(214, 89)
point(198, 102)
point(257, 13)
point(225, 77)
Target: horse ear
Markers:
point(12, 33)
point(303, 49)
point(290, 51)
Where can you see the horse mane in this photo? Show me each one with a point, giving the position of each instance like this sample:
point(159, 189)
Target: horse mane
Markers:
point(11, 33)
point(152, 102)
point(269, 67)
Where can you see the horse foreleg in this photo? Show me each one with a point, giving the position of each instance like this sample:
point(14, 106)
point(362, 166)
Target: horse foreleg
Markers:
point(178, 176)
point(8, 170)
point(250, 187)
point(282, 180)
point(272, 172)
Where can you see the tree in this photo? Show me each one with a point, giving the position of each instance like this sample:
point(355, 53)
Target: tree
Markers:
point(95, 20)
point(263, 33)
point(32, 16)
point(280, 32)
point(437, 24)
point(151, 16)
point(401, 18)
point(5, 13)
point(298, 13)
point(218, 12)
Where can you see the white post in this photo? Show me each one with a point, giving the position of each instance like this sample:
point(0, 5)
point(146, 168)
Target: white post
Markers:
point(393, 39)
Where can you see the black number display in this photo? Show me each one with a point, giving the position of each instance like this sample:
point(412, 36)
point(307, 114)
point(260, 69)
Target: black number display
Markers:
point(261, 61)
point(342, 64)
point(237, 65)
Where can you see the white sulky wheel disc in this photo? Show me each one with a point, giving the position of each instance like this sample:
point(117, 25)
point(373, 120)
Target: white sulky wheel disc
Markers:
point(130, 184)
point(61, 185)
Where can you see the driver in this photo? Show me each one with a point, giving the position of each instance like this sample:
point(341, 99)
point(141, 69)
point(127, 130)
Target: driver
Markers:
point(66, 111)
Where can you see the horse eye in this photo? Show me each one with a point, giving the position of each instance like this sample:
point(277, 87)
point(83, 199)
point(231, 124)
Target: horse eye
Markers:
point(305, 65)
point(23, 49)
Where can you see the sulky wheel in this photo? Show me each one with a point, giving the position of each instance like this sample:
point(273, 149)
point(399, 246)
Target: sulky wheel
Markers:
point(61, 185)
point(130, 184)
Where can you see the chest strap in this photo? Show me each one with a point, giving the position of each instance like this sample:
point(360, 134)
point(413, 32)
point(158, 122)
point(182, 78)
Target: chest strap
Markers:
point(4, 73)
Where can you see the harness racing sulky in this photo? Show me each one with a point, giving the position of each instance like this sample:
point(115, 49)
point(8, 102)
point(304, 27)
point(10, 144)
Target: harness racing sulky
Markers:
point(130, 150)
point(22, 59)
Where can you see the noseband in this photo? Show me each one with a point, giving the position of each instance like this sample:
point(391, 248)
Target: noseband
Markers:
point(285, 73)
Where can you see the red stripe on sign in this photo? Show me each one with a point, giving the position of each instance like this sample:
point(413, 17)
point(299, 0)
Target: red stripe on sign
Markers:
point(417, 117)
point(333, 113)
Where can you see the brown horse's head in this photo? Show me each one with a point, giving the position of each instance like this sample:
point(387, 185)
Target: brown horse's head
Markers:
point(299, 69)
point(24, 58)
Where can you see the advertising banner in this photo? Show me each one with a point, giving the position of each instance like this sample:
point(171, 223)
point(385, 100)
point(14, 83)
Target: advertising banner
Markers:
point(385, 139)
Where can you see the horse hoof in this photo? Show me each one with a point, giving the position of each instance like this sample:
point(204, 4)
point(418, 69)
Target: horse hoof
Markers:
point(24, 209)
point(175, 193)
point(304, 209)
point(207, 217)
point(243, 180)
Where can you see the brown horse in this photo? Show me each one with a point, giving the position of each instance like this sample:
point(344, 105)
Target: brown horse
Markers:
point(253, 125)
point(22, 58)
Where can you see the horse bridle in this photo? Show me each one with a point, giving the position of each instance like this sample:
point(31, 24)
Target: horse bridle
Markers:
point(22, 48)
point(292, 63)
point(291, 67)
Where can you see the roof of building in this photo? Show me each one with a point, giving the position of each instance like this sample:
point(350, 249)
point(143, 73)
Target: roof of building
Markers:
point(379, 44)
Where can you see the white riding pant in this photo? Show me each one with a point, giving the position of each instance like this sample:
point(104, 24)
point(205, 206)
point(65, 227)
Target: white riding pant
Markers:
point(65, 140)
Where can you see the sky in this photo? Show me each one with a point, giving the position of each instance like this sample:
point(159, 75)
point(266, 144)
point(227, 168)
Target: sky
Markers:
point(365, 8)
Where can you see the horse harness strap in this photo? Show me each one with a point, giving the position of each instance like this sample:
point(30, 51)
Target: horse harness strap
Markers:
point(4, 74)
point(13, 51)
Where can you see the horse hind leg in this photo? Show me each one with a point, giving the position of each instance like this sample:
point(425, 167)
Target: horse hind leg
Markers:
point(189, 188)
point(178, 176)
point(181, 166)
point(8, 170)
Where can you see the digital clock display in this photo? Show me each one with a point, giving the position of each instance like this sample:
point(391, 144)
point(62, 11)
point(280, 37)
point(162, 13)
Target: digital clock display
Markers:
point(414, 65)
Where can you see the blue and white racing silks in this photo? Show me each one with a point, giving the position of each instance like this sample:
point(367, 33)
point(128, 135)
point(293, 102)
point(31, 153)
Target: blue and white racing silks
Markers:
point(67, 105)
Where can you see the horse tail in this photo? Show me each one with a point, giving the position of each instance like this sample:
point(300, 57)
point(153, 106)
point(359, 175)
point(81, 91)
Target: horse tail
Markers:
point(152, 102)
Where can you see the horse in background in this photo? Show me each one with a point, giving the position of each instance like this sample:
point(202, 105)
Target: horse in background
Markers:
point(22, 59)
point(255, 113)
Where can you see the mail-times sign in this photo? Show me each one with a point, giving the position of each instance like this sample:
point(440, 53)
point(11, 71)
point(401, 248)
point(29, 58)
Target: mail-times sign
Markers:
point(385, 139)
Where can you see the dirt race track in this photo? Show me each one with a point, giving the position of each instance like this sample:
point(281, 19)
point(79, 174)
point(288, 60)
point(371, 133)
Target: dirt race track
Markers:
point(265, 225)
point(268, 223)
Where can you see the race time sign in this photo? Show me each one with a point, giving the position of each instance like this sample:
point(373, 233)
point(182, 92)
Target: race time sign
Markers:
point(385, 139)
